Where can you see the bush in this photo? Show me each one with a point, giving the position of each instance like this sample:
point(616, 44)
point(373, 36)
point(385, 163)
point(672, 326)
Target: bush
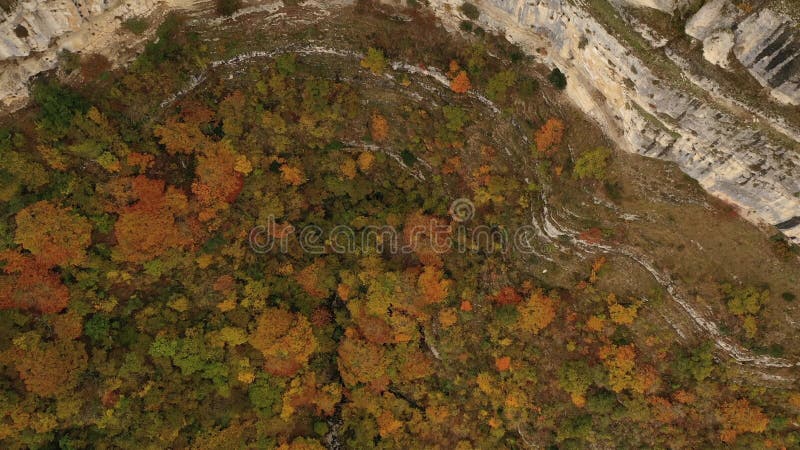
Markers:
point(499, 83)
point(227, 7)
point(557, 79)
point(57, 107)
point(136, 25)
point(408, 158)
point(788, 296)
point(592, 164)
point(465, 25)
point(470, 10)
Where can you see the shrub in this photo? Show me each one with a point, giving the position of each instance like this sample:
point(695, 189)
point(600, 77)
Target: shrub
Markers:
point(470, 10)
point(227, 7)
point(57, 107)
point(557, 79)
point(592, 164)
point(136, 25)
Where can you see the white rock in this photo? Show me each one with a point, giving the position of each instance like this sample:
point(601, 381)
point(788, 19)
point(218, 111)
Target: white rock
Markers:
point(717, 48)
point(714, 15)
point(661, 5)
point(768, 45)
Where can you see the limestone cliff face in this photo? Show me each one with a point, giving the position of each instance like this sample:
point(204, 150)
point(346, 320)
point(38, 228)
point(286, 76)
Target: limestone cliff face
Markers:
point(650, 115)
point(765, 42)
point(32, 35)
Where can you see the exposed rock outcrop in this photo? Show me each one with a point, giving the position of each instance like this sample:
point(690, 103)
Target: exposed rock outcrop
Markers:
point(32, 35)
point(662, 5)
point(768, 45)
point(647, 113)
point(766, 42)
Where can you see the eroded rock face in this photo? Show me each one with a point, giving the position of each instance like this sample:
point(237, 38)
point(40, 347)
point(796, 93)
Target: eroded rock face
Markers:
point(713, 16)
point(767, 44)
point(662, 5)
point(729, 156)
point(32, 35)
point(33, 24)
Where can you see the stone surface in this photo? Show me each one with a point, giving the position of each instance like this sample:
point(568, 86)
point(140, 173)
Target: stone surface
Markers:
point(713, 16)
point(768, 45)
point(766, 42)
point(32, 35)
point(661, 5)
point(717, 48)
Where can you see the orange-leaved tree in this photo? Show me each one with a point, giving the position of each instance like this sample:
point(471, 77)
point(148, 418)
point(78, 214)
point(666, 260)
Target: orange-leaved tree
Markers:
point(285, 339)
point(379, 128)
point(219, 178)
point(48, 368)
point(739, 416)
point(182, 134)
point(148, 227)
point(55, 235)
point(460, 83)
point(433, 288)
point(362, 362)
point(30, 285)
point(549, 136)
point(536, 313)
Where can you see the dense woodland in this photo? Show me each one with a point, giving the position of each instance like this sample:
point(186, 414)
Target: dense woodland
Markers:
point(134, 313)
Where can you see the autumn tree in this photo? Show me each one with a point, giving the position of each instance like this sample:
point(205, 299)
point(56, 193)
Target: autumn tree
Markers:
point(507, 296)
point(746, 303)
point(48, 368)
point(315, 280)
point(379, 128)
point(375, 61)
point(362, 362)
point(592, 164)
point(30, 285)
point(220, 177)
point(285, 339)
point(536, 313)
point(232, 111)
point(549, 136)
point(739, 416)
point(182, 133)
point(54, 235)
point(427, 236)
point(432, 287)
point(148, 227)
point(460, 84)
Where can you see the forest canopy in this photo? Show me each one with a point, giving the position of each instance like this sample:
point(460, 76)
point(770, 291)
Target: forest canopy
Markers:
point(137, 310)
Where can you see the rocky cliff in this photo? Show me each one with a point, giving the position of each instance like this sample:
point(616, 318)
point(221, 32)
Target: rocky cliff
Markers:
point(35, 31)
point(648, 111)
point(766, 43)
point(654, 107)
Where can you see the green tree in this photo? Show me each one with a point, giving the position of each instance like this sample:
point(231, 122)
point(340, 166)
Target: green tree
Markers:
point(375, 61)
point(58, 106)
point(470, 10)
point(499, 84)
point(592, 164)
point(557, 79)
